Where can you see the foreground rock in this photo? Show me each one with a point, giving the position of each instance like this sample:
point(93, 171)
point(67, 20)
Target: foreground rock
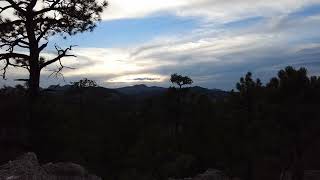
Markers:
point(65, 169)
point(27, 167)
point(211, 174)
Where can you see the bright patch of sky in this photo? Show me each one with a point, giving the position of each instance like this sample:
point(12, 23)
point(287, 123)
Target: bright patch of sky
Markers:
point(243, 23)
point(213, 41)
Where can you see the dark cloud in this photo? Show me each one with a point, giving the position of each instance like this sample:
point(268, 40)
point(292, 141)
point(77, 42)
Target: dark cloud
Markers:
point(146, 79)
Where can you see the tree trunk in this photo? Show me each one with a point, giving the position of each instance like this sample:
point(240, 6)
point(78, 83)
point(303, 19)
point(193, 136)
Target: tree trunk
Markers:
point(298, 171)
point(250, 169)
point(34, 77)
point(34, 80)
point(250, 137)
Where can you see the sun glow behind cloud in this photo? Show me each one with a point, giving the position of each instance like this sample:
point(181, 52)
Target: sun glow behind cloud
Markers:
point(103, 61)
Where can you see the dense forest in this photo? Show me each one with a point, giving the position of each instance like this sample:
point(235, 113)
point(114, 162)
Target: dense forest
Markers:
point(256, 131)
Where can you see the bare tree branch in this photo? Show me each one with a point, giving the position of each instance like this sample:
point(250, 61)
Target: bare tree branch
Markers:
point(50, 8)
point(14, 55)
point(22, 64)
point(2, 9)
point(61, 54)
point(8, 24)
point(4, 69)
point(43, 46)
point(16, 6)
point(58, 71)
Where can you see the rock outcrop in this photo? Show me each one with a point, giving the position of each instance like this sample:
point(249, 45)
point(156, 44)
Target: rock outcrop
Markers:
point(211, 174)
point(65, 169)
point(23, 165)
point(27, 167)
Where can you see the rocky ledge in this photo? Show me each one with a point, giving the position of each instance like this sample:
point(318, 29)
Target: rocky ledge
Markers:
point(210, 174)
point(27, 167)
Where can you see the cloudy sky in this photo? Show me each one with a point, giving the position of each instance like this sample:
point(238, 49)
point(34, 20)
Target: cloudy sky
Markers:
point(213, 41)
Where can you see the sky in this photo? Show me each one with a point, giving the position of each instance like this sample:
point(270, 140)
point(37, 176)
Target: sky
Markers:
point(215, 42)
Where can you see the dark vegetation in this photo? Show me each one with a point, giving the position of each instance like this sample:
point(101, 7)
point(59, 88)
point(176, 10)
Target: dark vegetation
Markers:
point(254, 132)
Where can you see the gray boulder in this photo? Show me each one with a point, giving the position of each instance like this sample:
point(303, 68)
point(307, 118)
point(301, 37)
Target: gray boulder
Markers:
point(28, 167)
point(65, 169)
point(210, 174)
point(26, 164)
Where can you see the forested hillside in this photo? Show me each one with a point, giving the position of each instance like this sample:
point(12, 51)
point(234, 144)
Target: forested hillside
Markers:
point(256, 131)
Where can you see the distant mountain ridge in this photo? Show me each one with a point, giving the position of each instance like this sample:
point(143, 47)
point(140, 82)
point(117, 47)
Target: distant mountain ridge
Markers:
point(58, 88)
point(141, 89)
point(144, 90)
point(210, 92)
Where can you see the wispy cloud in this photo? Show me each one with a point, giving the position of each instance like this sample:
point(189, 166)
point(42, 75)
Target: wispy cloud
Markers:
point(231, 38)
point(219, 10)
